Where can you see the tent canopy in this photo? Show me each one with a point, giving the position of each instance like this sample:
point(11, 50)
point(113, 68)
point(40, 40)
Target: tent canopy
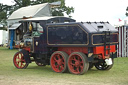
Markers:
point(32, 11)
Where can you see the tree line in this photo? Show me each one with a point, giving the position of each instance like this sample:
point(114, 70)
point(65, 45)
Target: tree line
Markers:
point(127, 11)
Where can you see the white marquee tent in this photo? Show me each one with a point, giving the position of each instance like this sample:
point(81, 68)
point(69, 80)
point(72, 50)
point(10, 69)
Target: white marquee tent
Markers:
point(40, 10)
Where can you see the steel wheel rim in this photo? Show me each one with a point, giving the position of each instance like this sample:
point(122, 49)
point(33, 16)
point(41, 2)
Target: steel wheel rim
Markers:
point(76, 64)
point(58, 62)
point(19, 60)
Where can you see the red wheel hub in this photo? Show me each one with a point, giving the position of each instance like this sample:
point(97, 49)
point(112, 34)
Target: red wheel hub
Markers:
point(57, 62)
point(75, 64)
point(19, 60)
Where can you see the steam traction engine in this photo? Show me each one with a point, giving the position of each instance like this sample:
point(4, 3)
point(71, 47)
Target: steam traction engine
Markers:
point(67, 45)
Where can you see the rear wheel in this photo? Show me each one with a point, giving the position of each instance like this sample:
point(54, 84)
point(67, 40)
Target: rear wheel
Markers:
point(19, 61)
point(77, 63)
point(103, 66)
point(58, 61)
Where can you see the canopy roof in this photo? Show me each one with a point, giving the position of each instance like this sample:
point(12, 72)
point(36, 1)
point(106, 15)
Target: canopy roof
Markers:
point(14, 26)
point(32, 11)
point(38, 18)
point(50, 19)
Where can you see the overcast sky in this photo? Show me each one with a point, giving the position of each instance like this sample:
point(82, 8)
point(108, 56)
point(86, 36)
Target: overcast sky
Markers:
point(99, 10)
point(95, 10)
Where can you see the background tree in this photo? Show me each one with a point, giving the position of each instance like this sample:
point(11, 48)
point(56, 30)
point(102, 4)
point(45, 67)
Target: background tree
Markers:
point(127, 11)
point(4, 13)
point(21, 3)
point(59, 11)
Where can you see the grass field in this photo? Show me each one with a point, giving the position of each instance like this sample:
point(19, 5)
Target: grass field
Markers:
point(35, 75)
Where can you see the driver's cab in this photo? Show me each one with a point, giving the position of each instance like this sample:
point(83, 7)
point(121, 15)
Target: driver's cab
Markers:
point(33, 29)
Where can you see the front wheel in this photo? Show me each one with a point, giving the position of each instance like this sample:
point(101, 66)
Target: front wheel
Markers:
point(19, 61)
point(103, 66)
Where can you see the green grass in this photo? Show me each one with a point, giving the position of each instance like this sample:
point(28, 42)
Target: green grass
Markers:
point(35, 75)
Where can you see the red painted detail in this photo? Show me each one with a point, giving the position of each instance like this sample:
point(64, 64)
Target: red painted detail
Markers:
point(41, 32)
point(17, 46)
point(19, 60)
point(75, 63)
point(69, 50)
point(100, 50)
point(100, 56)
point(27, 49)
point(57, 62)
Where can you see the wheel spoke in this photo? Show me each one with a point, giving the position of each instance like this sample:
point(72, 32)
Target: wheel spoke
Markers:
point(72, 64)
point(18, 57)
point(23, 60)
point(77, 70)
point(79, 58)
point(74, 58)
point(57, 66)
point(55, 59)
point(62, 67)
point(18, 62)
point(58, 56)
point(22, 65)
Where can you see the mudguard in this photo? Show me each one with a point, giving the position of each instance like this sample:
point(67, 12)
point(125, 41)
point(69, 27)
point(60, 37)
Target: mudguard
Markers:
point(26, 56)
